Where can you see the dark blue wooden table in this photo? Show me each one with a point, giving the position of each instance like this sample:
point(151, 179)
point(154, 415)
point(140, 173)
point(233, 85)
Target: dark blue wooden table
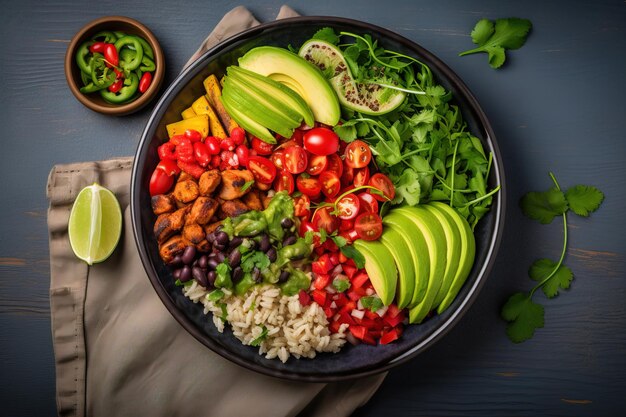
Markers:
point(558, 105)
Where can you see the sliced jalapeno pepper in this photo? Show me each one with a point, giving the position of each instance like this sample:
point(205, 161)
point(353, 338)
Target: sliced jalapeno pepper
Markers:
point(119, 33)
point(125, 94)
point(136, 45)
point(81, 57)
point(147, 65)
point(108, 36)
point(147, 49)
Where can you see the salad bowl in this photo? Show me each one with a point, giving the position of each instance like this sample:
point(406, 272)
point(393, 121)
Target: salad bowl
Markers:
point(351, 361)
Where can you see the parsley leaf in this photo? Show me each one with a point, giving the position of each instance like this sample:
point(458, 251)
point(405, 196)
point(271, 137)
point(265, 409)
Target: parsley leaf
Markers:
point(559, 275)
point(495, 39)
point(544, 206)
point(354, 254)
point(255, 259)
point(257, 341)
point(326, 34)
point(584, 199)
point(372, 303)
point(341, 284)
point(523, 316)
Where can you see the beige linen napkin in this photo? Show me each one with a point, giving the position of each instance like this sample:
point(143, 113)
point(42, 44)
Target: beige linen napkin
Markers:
point(119, 352)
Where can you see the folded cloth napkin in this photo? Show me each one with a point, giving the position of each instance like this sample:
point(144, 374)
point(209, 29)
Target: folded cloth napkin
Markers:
point(119, 352)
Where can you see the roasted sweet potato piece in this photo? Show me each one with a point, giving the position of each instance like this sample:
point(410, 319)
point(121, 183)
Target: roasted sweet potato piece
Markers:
point(209, 181)
point(172, 247)
point(186, 191)
point(252, 200)
point(163, 203)
point(183, 176)
point(202, 210)
point(169, 223)
point(232, 182)
point(232, 208)
point(211, 227)
point(194, 233)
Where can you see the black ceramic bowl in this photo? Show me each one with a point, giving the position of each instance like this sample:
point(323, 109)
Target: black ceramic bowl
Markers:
point(352, 361)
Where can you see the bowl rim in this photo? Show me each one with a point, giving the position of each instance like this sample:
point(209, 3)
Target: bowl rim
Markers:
point(135, 105)
point(498, 207)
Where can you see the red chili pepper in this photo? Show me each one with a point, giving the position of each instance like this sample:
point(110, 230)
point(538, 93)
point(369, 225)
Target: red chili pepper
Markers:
point(191, 168)
point(110, 54)
point(167, 151)
point(97, 47)
point(184, 150)
point(116, 86)
point(144, 83)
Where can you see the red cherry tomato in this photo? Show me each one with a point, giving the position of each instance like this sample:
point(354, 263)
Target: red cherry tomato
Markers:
point(238, 135)
point(213, 145)
point(384, 184)
point(368, 203)
point(184, 150)
point(145, 81)
point(330, 182)
point(308, 186)
point(361, 176)
point(306, 226)
point(301, 205)
point(334, 164)
point(160, 182)
point(317, 164)
point(278, 158)
point(116, 86)
point(110, 54)
point(347, 177)
point(324, 219)
point(357, 154)
point(261, 148)
point(97, 47)
point(169, 166)
point(262, 169)
point(202, 154)
point(227, 144)
point(321, 141)
point(284, 182)
point(296, 159)
point(193, 135)
point(348, 207)
point(297, 136)
point(167, 151)
point(369, 226)
point(242, 154)
point(346, 225)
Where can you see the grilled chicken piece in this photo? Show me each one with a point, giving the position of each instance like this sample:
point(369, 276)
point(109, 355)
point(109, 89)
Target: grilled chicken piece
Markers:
point(172, 247)
point(169, 223)
point(186, 191)
point(209, 181)
point(203, 246)
point(266, 200)
point(232, 181)
point(211, 227)
point(202, 210)
point(232, 208)
point(183, 176)
point(252, 200)
point(163, 203)
point(262, 187)
point(194, 233)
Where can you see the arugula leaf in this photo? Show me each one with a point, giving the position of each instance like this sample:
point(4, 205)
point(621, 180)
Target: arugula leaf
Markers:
point(523, 316)
point(584, 199)
point(507, 33)
point(559, 275)
point(257, 341)
point(353, 253)
point(326, 34)
point(544, 206)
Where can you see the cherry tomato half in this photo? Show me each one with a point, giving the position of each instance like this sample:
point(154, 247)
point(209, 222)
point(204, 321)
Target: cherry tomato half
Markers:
point(348, 207)
point(368, 203)
point(262, 148)
point(321, 141)
point(317, 164)
point(262, 169)
point(308, 185)
point(324, 219)
point(331, 184)
point(368, 226)
point(361, 176)
point(278, 158)
point(296, 159)
point(160, 182)
point(301, 206)
point(384, 184)
point(357, 154)
point(284, 182)
point(334, 164)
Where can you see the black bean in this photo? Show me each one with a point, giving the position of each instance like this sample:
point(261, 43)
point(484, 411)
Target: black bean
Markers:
point(210, 237)
point(264, 243)
point(219, 256)
point(234, 258)
point(222, 238)
point(189, 254)
point(235, 242)
point(218, 247)
point(289, 240)
point(177, 261)
point(202, 261)
point(237, 275)
point(200, 276)
point(286, 223)
point(256, 275)
point(212, 263)
point(283, 277)
point(185, 273)
point(272, 254)
point(210, 276)
point(176, 273)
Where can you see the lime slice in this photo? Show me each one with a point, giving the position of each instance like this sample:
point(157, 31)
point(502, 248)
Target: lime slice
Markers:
point(95, 224)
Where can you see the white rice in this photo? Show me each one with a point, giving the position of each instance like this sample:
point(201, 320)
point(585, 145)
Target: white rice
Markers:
point(291, 329)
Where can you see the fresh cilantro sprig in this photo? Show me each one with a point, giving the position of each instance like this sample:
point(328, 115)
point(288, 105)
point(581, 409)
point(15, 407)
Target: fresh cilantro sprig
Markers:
point(495, 39)
point(524, 315)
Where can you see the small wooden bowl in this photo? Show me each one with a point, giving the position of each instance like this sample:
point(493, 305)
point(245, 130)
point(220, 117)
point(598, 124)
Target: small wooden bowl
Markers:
point(94, 101)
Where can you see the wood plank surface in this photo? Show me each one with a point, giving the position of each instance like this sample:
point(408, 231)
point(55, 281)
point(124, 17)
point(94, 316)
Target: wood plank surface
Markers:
point(557, 105)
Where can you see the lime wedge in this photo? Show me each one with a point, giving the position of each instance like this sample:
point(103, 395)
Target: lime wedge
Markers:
point(95, 224)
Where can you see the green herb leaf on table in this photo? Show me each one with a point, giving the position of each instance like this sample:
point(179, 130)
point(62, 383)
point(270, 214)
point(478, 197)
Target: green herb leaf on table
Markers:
point(544, 206)
point(584, 199)
point(523, 316)
point(506, 34)
point(559, 279)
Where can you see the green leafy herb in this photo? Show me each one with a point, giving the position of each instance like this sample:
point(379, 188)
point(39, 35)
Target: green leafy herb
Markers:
point(257, 341)
point(495, 39)
point(215, 295)
point(326, 34)
point(340, 241)
point(246, 185)
point(372, 303)
point(523, 315)
point(353, 253)
point(224, 316)
point(223, 280)
point(255, 259)
point(341, 284)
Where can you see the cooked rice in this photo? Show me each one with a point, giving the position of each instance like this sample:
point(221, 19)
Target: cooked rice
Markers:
point(292, 329)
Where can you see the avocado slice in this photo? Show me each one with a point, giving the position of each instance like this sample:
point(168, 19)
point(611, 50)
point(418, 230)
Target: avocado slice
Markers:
point(453, 254)
point(382, 273)
point(437, 248)
point(247, 123)
point(317, 92)
point(403, 256)
point(467, 254)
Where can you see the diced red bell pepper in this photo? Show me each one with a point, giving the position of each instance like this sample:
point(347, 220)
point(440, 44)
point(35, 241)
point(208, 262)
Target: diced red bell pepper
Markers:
point(348, 269)
point(334, 325)
point(329, 312)
point(354, 295)
point(393, 310)
point(323, 265)
point(348, 307)
point(342, 258)
point(371, 315)
point(369, 340)
point(359, 280)
point(191, 168)
point(389, 336)
point(393, 321)
point(305, 298)
point(340, 300)
point(319, 296)
point(358, 331)
point(345, 317)
point(321, 281)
